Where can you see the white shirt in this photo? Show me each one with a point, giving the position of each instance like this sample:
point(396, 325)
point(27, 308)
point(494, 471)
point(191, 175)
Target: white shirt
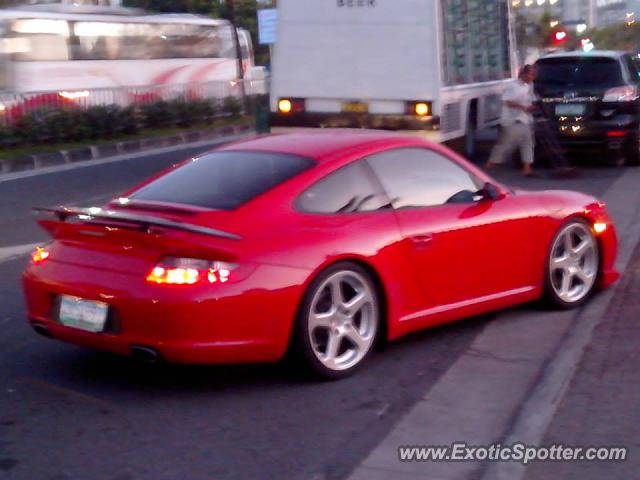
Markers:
point(521, 93)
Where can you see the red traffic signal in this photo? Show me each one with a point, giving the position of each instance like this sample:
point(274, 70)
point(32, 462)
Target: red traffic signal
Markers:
point(560, 37)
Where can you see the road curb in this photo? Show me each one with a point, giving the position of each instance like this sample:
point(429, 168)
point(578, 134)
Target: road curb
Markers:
point(103, 151)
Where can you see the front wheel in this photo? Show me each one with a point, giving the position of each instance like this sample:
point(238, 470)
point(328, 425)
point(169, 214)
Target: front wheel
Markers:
point(572, 265)
point(338, 321)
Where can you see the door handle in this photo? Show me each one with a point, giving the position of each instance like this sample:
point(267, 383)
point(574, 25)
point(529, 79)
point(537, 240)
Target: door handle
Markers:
point(422, 240)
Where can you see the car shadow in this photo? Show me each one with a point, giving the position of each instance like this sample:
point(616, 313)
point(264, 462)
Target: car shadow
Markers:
point(75, 366)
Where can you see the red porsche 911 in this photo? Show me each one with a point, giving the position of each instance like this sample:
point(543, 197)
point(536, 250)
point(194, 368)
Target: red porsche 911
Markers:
point(319, 244)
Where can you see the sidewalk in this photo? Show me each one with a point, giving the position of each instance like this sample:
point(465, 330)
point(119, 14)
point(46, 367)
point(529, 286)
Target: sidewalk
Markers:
point(602, 405)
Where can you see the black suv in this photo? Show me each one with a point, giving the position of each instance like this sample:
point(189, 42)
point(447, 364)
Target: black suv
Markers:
point(590, 101)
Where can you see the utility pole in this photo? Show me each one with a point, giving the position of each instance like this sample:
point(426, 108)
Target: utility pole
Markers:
point(231, 16)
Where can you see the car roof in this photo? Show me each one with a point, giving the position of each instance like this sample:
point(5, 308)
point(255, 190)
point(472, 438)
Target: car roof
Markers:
point(615, 54)
point(321, 144)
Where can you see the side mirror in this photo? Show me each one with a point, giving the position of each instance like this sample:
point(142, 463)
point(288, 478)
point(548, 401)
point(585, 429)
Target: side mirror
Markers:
point(490, 192)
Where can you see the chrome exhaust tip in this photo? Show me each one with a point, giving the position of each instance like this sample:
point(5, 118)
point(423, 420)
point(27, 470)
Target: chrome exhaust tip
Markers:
point(145, 354)
point(42, 330)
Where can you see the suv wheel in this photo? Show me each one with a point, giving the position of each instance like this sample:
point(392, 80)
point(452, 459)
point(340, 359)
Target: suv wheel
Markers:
point(632, 150)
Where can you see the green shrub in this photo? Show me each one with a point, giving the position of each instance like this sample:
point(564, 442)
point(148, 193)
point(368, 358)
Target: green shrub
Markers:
point(68, 123)
point(232, 106)
point(104, 121)
point(157, 115)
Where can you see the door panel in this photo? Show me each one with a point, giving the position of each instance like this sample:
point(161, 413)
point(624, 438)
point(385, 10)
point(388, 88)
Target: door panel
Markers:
point(472, 250)
point(462, 248)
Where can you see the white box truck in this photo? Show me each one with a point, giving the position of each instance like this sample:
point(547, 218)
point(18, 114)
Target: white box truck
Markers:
point(436, 66)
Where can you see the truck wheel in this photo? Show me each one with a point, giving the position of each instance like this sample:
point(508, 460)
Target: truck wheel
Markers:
point(471, 133)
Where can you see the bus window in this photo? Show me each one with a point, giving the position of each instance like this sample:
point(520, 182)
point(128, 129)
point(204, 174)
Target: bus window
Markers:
point(4, 52)
point(112, 41)
point(190, 41)
point(245, 44)
point(228, 44)
point(45, 40)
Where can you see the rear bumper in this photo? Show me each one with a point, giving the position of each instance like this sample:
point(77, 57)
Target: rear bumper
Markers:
point(605, 135)
point(248, 321)
point(347, 120)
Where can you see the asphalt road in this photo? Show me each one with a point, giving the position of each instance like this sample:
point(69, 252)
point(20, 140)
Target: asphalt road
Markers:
point(70, 413)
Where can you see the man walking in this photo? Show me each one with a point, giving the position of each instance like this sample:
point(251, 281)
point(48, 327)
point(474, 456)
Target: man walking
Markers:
point(517, 122)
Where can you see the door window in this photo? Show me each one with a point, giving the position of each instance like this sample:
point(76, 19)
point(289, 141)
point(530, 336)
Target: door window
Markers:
point(417, 177)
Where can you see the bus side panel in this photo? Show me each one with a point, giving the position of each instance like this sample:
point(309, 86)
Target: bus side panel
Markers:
point(34, 76)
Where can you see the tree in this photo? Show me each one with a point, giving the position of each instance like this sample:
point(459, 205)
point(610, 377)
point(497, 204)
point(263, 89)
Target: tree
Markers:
point(617, 37)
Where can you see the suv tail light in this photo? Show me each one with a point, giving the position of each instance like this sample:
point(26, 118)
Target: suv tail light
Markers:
point(190, 271)
point(621, 94)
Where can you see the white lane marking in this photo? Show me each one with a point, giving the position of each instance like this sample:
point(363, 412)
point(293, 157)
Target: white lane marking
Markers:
point(9, 253)
point(90, 163)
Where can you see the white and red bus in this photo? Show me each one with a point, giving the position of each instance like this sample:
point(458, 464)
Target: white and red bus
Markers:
point(74, 50)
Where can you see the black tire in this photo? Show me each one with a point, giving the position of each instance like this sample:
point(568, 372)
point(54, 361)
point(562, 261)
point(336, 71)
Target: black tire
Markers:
point(470, 136)
point(632, 150)
point(302, 348)
point(551, 297)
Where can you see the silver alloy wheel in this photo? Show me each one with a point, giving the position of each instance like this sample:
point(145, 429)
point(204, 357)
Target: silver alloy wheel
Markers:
point(343, 320)
point(573, 264)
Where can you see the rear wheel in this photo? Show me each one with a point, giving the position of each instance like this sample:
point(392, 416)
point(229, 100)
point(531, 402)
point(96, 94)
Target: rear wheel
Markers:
point(572, 265)
point(338, 321)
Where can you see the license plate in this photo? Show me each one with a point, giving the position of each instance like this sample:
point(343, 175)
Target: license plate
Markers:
point(82, 314)
point(571, 109)
point(355, 107)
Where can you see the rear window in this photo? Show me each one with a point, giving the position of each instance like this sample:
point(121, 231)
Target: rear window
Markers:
point(223, 180)
point(580, 72)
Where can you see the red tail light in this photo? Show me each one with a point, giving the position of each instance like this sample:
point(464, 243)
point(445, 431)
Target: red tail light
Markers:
point(39, 255)
point(189, 271)
point(616, 133)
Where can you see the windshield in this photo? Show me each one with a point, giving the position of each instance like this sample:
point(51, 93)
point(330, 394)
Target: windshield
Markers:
point(579, 71)
point(223, 180)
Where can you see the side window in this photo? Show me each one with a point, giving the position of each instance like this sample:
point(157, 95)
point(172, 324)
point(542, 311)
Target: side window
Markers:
point(416, 177)
point(347, 190)
point(41, 39)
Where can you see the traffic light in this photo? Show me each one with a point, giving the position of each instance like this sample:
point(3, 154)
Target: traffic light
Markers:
point(560, 37)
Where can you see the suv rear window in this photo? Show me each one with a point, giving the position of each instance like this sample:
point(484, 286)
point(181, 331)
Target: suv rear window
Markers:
point(223, 180)
point(579, 71)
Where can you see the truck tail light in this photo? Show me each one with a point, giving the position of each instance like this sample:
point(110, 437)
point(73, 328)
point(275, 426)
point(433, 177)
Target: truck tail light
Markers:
point(190, 271)
point(419, 109)
point(291, 105)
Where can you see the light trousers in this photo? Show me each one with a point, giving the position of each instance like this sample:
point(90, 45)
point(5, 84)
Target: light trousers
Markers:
point(518, 135)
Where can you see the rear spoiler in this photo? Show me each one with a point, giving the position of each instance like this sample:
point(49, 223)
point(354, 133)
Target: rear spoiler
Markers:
point(143, 222)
